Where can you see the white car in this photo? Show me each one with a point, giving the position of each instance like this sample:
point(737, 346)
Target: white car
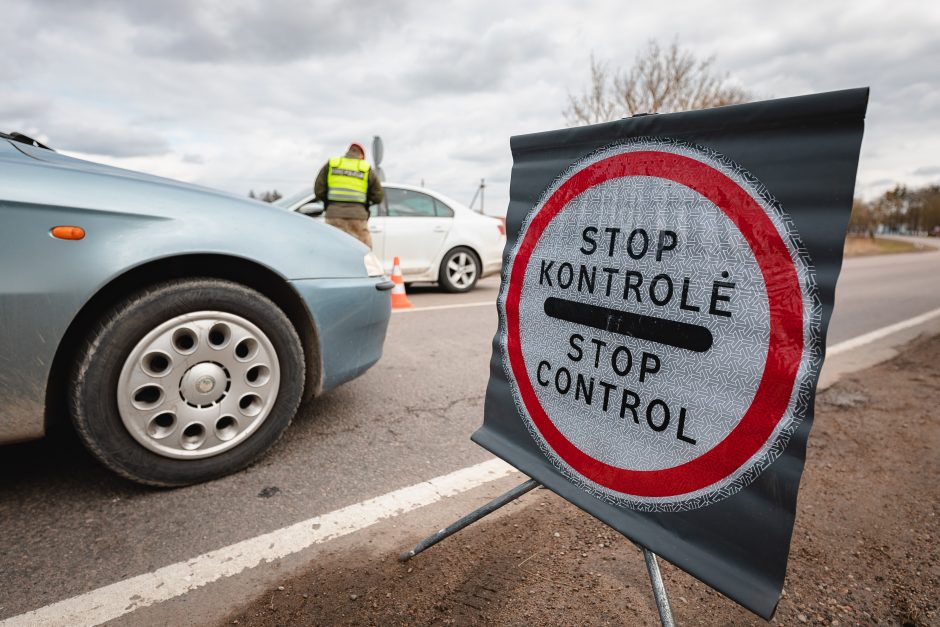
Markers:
point(436, 238)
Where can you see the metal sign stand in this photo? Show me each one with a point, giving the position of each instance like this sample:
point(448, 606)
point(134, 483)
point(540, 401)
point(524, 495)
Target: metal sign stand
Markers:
point(652, 566)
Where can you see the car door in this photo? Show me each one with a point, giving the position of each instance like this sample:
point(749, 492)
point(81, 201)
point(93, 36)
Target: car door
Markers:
point(377, 230)
point(416, 225)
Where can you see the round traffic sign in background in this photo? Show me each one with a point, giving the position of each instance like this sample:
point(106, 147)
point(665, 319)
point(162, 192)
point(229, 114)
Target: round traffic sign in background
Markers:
point(659, 325)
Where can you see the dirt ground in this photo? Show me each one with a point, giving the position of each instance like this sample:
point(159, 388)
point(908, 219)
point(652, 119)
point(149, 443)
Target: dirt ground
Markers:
point(861, 246)
point(864, 552)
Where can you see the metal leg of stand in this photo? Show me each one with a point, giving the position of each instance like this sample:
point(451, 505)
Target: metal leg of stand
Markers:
point(470, 518)
point(659, 589)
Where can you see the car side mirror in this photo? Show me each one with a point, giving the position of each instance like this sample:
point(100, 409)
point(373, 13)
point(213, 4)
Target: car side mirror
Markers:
point(313, 209)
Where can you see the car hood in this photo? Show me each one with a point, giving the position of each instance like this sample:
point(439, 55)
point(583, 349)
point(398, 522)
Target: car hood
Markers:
point(74, 163)
point(149, 217)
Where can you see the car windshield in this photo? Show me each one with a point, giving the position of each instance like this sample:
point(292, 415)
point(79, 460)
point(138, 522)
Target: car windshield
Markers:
point(289, 201)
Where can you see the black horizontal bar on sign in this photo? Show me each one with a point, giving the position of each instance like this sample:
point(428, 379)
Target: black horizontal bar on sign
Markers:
point(690, 337)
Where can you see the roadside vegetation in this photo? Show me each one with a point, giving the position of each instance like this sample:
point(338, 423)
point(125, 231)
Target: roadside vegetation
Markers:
point(899, 210)
point(863, 246)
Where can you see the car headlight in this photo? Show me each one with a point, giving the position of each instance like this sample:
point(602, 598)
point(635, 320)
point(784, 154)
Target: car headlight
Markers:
point(373, 265)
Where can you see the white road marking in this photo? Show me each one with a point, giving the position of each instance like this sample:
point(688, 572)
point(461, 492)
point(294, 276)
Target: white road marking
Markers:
point(482, 303)
point(110, 602)
point(877, 334)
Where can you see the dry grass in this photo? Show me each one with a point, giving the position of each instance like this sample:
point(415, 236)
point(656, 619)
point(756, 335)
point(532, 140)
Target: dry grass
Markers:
point(861, 246)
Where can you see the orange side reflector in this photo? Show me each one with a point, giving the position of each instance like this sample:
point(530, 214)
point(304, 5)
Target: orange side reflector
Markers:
point(68, 232)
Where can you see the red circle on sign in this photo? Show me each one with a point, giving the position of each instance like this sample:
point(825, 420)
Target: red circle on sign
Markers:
point(784, 350)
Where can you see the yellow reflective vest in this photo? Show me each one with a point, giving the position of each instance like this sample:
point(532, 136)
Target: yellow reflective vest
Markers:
point(347, 180)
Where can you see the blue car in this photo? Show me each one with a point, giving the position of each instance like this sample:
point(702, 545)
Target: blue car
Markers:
point(177, 326)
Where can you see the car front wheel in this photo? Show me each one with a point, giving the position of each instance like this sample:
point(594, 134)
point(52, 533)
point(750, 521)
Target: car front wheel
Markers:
point(187, 381)
point(460, 270)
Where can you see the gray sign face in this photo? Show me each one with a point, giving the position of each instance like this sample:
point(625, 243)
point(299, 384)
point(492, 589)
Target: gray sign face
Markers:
point(659, 331)
point(667, 284)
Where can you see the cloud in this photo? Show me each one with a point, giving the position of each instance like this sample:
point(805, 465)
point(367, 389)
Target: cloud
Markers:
point(15, 108)
point(244, 94)
point(469, 63)
point(927, 170)
point(475, 154)
point(77, 127)
point(109, 141)
point(879, 183)
point(272, 31)
point(210, 32)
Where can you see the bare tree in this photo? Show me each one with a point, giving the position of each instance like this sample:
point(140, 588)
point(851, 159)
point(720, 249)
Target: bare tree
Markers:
point(900, 209)
point(596, 104)
point(265, 196)
point(661, 80)
point(863, 218)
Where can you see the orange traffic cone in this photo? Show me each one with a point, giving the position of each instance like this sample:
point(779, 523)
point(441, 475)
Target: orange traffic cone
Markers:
point(399, 296)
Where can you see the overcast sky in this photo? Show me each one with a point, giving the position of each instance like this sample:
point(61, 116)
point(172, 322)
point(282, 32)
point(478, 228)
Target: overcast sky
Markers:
point(256, 94)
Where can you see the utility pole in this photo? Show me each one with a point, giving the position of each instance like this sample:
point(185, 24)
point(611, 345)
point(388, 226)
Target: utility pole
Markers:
point(479, 192)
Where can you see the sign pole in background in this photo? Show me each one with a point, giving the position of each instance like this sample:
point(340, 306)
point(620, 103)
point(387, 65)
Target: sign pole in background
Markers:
point(378, 151)
point(667, 285)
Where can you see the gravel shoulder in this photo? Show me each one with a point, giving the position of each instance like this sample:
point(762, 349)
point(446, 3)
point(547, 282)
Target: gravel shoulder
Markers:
point(864, 551)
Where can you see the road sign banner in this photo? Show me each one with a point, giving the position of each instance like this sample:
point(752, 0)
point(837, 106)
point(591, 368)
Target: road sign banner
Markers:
point(666, 289)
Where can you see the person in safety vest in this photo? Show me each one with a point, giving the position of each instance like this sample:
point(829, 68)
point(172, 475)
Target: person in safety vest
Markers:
point(347, 185)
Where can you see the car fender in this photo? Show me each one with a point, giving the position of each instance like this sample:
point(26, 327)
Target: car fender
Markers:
point(463, 236)
point(129, 220)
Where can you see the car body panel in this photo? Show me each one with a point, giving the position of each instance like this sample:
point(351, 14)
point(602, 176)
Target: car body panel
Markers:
point(130, 219)
point(351, 318)
point(418, 242)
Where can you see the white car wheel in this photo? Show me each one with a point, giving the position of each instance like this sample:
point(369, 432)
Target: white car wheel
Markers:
point(460, 270)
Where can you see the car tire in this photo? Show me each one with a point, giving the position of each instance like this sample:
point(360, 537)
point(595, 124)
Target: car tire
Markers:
point(460, 270)
point(186, 381)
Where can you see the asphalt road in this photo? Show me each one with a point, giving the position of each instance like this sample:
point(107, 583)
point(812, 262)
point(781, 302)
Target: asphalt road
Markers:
point(67, 526)
point(874, 292)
